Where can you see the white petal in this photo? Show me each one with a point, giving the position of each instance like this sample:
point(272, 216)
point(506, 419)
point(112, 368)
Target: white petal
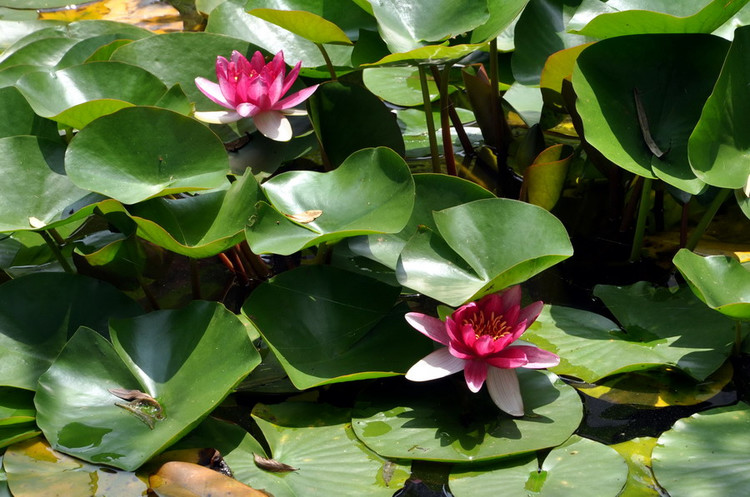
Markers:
point(436, 365)
point(504, 390)
point(747, 187)
point(294, 112)
point(274, 125)
point(218, 117)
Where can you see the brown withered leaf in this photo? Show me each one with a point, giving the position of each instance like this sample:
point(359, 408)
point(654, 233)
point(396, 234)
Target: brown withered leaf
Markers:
point(184, 479)
point(142, 405)
point(305, 217)
point(212, 459)
point(272, 465)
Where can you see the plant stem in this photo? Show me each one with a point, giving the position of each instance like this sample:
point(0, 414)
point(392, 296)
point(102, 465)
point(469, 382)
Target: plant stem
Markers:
point(329, 64)
point(456, 121)
point(445, 127)
point(430, 122)
point(708, 216)
point(55, 248)
point(494, 102)
point(640, 226)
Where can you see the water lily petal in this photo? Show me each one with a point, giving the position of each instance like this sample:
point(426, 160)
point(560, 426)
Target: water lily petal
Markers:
point(247, 109)
point(491, 303)
point(274, 125)
point(291, 77)
point(531, 312)
point(294, 112)
point(218, 117)
point(509, 358)
point(502, 384)
point(475, 372)
point(538, 358)
point(435, 365)
point(295, 98)
point(429, 326)
point(212, 91)
point(258, 62)
point(511, 297)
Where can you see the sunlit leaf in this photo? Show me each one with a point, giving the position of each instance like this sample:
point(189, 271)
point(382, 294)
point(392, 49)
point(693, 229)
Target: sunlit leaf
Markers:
point(545, 178)
point(305, 24)
point(183, 479)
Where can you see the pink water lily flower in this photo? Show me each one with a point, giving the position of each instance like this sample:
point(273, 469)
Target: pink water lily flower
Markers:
point(254, 89)
point(479, 338)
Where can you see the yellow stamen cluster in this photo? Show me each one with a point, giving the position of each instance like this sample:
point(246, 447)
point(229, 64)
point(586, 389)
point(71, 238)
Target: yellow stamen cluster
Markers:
point(494, 326)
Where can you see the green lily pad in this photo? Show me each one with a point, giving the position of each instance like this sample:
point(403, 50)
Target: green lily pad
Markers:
point(12, 434)
point(230, 18)
point(20, 119)
point(348, 118)
point(337, 325)
point(578, 468)
point(34, 469)
point(591, 346)
point(305, 24)
point(16, 406)
point(42, 53)
point(197, 226)
point(35, 191)
point(77, 95)
point(720, 141)
point(149, 157)
point(186, 361)
point(408, 26)
point(371, 192)
point(314, 438)
point(540, 32)
point(434, 192)
point(641, 481)
point(628, 17)
point(719, 281)
point(398, 85)
point(481, 247)
point(30, 340)
point(614, 76)
point(443, 421)
point(502, 15)
point(430, 54)
point(181, 57)
point(705, 454)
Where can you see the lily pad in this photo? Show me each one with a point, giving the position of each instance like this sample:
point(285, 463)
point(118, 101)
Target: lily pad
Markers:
point(197, 226)
point(720, 141)
point(398, 85)
point(148, 157)
point(705, 454)
point(545, 178)
point(20, 118)
point(578, 468)
point(719, 281)
point(305, 24)
point(34, 469)
point(30, 340)
point(461, 260)
point(77, 95)
point(371, 192)
point(591, 346)
point(627, 17)
point(16, 406)
point(641, 481)
point(35, 191)
point(634, 118)
point(86, 402)
point(337, 325)
point(12, 434)
point(443, 421)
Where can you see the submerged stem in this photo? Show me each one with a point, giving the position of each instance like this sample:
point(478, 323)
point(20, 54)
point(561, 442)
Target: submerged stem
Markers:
point(430, 122)
point(640, 226)
point(445, 127)
point(708, 216)
point(55, 248)
point(329, 64)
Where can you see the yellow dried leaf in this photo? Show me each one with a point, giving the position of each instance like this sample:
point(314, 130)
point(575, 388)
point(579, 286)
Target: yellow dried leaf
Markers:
point(184, 479)
point(305, 217)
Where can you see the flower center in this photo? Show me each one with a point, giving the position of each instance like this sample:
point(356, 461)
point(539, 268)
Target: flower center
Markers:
point(492, 325)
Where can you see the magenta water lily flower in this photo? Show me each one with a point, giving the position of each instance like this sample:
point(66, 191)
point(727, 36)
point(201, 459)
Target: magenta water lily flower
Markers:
point(254, 89)
point(480, 339)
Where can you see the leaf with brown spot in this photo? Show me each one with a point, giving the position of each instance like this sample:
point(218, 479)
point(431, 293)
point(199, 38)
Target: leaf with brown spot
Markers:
point(184, 479)
point(305, 217)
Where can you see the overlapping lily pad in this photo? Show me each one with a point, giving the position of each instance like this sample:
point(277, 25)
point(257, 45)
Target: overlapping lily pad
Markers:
point(185, 362)
point(139, 152)
point(195, 225)
point(336, 326)
point(690, 336)
point(34, 469)
point(371, 192)
point(30, 340)
point(578, 468)
point(459, 261)
point(719, 281)
point(77, 95)
point(614, 77)
point(20, 119)
point(443, 421)
point(705, 454)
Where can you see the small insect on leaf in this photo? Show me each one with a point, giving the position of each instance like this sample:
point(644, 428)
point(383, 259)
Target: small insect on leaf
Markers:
point(272, 464)
point(142, 405)
point(305, 217)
